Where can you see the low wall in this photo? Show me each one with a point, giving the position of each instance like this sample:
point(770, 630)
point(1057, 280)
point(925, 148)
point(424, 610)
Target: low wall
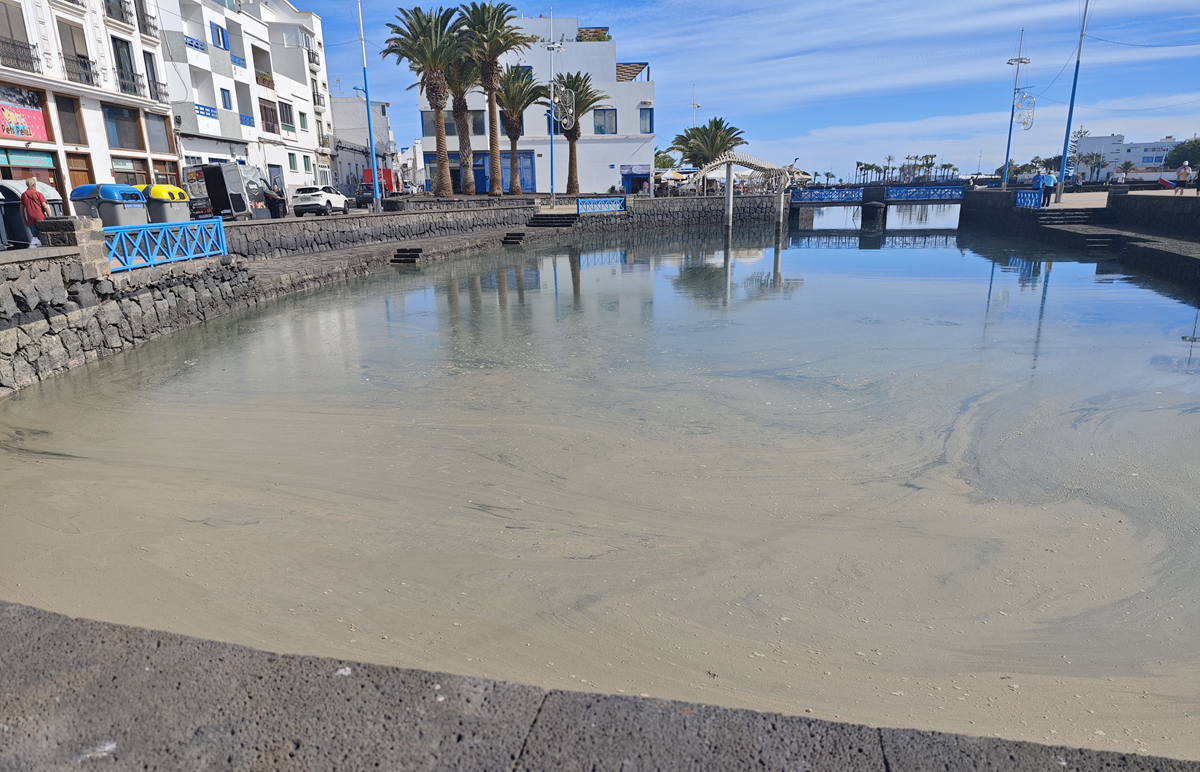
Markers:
point(76, 693)
point(681, 212)
point(1174, 216)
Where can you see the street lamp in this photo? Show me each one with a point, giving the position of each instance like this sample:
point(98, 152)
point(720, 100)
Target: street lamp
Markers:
point(1013, 114)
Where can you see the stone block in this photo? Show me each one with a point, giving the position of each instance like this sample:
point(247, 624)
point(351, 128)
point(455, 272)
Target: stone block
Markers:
point(576, 731)
point(24, 292)
point(53, 357)
point(105, 287)
point(23, 373)
point(8, 306)
point(108, 312)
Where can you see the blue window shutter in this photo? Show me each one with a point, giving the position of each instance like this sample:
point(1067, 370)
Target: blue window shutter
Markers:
point(216, 36)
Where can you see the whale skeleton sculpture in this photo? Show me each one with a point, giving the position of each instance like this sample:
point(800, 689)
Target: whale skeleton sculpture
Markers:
point(764, 171)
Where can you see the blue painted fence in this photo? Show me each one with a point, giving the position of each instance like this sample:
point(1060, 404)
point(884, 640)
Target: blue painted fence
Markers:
point(940, 193)
point(595, 205)
point(826, 195)
point(142, 246)
point(1029, 199)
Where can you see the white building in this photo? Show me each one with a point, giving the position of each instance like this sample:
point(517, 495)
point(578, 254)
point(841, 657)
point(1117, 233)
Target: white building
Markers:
point(351, 150)
point(247, 83)
point(81, 93)
point(1146, 157)
point(616, 146)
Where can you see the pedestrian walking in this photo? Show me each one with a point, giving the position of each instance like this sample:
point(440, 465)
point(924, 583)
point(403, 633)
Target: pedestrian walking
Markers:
point(1120, 178)
point(34, 209)
point(1048, 183)
point(1182, 175)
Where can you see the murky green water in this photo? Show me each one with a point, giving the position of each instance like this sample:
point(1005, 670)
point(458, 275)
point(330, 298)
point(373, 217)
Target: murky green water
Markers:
point(945, 482)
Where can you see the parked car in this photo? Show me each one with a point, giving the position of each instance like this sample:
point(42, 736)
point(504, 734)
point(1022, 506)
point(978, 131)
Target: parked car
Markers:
point(410, 188)
point(323, 200)
point(364, 193)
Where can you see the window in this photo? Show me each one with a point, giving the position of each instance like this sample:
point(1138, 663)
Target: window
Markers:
point(292, 161)
point(130, 171)
point(1147, 159)
point(286, 119)
point(477, 128)
point(477, 125)
point(192, 160)
point(226, 99)
point(304, 121)
point(307, 164)
point(647, 124)
point(558, 129)
point(606, 121)
point(383, 110)
point(69, 120)
point(123, 127)
point(218, 160)
point(12, 23)
point(166, 173)
point(158, 133)
point(220, 38)
point(270, 118)
point(503, 118)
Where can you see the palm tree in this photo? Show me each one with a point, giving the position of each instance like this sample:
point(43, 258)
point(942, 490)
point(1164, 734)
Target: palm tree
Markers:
point(1128, 166)
point(888, 164)
point(701, 145)
point(462, 77)
point(490, 35)
point(517, 93)
point(587, 98)
point(428, 40)
point(664, 160)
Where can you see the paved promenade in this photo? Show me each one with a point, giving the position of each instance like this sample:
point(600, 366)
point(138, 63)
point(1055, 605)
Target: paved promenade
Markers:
point(78, 694)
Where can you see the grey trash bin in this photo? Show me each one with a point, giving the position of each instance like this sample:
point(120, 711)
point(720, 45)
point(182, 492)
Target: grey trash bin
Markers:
point(113, 204)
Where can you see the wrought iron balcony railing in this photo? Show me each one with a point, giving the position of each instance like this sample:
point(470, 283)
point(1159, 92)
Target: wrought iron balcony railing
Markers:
point(318, 99)
point(158, 92)
point(80, 70)
point(314, 58)
point(119, 10)
point(131, 83)
point(147, 24)
point(19, 55)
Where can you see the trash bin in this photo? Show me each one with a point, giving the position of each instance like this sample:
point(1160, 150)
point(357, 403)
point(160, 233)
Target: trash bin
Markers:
point(16, 234)
point(166, 203)
point(113, 204)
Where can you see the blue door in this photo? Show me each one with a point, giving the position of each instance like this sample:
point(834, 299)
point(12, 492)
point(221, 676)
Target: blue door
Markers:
point(524, 170)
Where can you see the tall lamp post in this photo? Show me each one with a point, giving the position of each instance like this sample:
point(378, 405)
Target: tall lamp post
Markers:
point(370, 129)
point(1062, 173)
point(1013, 114)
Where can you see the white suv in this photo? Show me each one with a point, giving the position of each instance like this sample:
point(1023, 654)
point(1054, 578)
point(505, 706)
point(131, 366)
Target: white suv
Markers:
point(323, 200)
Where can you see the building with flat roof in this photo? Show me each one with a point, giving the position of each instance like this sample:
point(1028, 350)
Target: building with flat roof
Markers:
point(351, 148)
point(616, 145)
point(1146, 157)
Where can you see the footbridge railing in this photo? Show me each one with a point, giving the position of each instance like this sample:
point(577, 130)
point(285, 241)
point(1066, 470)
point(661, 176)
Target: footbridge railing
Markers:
point(924, 193)
point(1029, 199)
point(143, 246)
point(598, 205)
point(827, 196)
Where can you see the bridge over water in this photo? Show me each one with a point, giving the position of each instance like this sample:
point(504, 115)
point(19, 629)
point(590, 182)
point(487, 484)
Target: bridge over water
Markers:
point(874, 199)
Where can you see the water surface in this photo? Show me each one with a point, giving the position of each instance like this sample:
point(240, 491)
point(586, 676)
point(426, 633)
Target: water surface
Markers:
point(944, 482)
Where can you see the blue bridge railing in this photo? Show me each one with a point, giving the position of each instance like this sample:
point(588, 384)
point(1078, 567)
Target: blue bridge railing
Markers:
point(826, 195)
point(917, 193)
point(595, 205)
point(1029, 199)
point(599, 259)
point(142, 246)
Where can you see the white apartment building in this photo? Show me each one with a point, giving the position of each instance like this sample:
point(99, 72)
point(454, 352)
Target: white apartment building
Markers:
point(247, 84)
point(82, 97)
point(351, 149)
point(616, 146)
point(1147, 157)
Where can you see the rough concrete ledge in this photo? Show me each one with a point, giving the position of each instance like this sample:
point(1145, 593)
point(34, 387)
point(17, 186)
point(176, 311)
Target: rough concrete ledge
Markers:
point(82, 694)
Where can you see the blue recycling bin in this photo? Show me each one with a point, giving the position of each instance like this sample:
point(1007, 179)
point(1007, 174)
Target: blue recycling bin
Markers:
point(113, 204)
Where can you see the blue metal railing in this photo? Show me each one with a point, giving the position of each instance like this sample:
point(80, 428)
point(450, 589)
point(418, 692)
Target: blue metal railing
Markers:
point(142, 246)
point(247, 120)
point(1029, 199)
point(193, 43)
point(595, 205)
point(920, 193)
point(237, 61)
point(826, 195)
point(599, 259)
point(206, 111)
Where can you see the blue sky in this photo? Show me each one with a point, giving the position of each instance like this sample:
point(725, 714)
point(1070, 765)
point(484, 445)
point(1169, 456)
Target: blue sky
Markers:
point(839, 81)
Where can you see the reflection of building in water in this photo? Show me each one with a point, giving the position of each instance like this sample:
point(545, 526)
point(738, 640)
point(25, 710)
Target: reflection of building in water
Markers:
point(922, 216)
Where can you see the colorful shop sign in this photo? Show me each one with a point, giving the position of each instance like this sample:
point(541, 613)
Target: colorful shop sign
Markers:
point(33, 159)
point(21, 114)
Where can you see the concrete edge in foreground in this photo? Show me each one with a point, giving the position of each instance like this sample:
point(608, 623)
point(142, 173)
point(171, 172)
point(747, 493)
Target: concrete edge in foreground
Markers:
point(77, 693)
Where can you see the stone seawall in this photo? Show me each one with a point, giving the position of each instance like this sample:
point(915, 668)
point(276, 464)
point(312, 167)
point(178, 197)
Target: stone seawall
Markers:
point(681, 212)
point(1176, 216)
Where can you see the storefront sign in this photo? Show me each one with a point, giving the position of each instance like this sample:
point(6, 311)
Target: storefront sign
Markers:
point(21, 114)
point(33, 159)
point(637, 170)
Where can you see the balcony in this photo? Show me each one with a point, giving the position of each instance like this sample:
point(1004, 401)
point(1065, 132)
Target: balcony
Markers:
point(147, 24)
point(158, 92)
point(264, 79)
point(19, 56)
point(237, 61)
point(323, 142)
point(194, 44)
point(80, 70)
point(119, 10)
point(204, 111)
point(318, 102)
point(314, 60)
point(131, 83)
point(247, 120)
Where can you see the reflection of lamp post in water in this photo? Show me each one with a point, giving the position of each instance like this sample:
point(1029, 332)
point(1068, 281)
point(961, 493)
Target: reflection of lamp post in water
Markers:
point(1192, 338)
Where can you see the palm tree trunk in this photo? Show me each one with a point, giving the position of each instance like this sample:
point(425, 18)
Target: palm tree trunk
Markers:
point(466, 160)
point(441, 186)
point(572, 169)
point(495, 186)
point(514, 173)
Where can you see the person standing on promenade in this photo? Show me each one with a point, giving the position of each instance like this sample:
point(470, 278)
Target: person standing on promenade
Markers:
point(1048, 183)
point(1038, 178)
point(1182, 175)
point(1120, 178)
point(34, 209)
